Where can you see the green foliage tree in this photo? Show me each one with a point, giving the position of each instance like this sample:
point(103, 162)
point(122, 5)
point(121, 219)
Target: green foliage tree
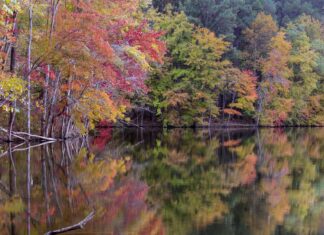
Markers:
point(289, 10)
point(307, 80)
point(183, 90)
point(161, 4)
point(217, 16)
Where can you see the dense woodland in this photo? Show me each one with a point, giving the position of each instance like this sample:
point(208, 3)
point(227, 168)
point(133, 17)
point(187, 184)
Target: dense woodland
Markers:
point(69, 66)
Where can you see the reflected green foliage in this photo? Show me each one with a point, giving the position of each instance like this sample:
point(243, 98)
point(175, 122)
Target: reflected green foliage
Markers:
point(179, 181)
point(204, 184)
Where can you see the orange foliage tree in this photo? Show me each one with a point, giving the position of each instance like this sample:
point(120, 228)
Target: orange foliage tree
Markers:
point(88, 59)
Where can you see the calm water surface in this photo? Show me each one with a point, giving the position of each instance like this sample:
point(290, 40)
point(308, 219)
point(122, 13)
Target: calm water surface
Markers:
point(175, 182)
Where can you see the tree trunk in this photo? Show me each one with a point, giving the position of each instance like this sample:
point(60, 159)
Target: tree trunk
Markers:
point(29, 65)
point(12, 116)
point(28, 190)
point(44, 118)
point(13, 47)
point(260, 105)
point(50, 118)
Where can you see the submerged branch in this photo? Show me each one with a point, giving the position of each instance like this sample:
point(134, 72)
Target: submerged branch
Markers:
point(16, 149)
point(79, 225)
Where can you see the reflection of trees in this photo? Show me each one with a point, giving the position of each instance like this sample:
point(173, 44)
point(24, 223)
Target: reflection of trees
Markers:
point(306, 196)
point(261, 183)
point(11, 202)
point(188, 180)
point(67, 182)
point(175, 182)
point(284, 195)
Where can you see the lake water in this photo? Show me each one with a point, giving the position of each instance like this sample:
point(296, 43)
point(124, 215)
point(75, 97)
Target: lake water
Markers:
point(175, 182)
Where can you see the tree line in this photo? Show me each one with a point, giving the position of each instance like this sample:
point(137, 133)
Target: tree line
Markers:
point(67, 66)
point(257, 62)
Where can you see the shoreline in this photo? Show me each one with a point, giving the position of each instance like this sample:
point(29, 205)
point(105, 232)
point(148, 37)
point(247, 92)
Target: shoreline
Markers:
point(161, 127)
point(215, 126)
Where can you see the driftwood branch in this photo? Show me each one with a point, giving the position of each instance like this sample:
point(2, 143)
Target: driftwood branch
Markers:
point(20, 135)
point(34, 136)
point(79, 225)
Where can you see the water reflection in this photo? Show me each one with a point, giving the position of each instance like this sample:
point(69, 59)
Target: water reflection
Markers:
point(180, 181)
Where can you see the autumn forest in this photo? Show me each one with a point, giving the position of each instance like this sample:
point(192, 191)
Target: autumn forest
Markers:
point(70, 66)
point(162, 117)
